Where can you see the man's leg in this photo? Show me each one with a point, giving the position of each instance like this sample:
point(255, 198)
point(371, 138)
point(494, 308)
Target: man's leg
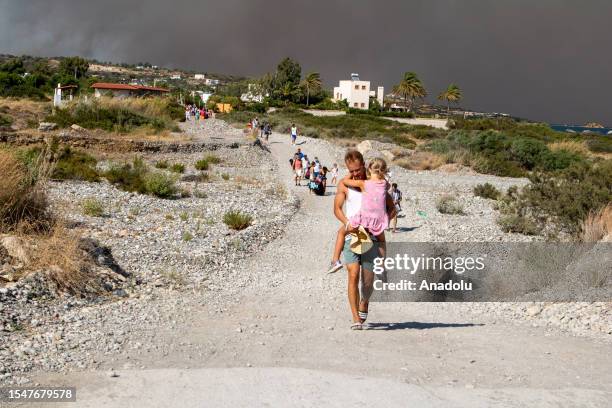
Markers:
point(353, 290)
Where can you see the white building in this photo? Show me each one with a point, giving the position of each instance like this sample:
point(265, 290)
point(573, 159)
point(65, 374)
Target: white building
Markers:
point(356, 92)
point(253, 95)
point(211, 82)
point(199, 76)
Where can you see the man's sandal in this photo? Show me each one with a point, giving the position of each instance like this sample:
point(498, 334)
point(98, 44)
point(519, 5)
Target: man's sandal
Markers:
point(363, 316)
point(356, 326)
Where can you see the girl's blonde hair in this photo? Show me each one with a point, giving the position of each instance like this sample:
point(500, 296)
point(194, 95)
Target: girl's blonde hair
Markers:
point(378, 166)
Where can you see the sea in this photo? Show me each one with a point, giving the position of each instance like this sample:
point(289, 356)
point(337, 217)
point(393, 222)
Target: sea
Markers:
point(581, 129)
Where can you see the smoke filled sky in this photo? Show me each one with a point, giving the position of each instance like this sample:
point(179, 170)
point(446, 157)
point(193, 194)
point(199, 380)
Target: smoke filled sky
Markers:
point(545, 60)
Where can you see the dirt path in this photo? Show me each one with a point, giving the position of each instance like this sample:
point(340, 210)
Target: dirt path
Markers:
point(286, 342)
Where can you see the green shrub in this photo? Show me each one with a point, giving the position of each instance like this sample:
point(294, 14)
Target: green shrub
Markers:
point(92, 207)
point(517, 224)
point(527, 152)
point(75, 165)
point(448, 204)
point(486, 190)
point(128, 177)
point(237, 220)
point(561, 200)
point(225, 176)
point(160, 185)
point(5, 120)
point(162, 164)
point(202, 165)
point(178, 168)
point(187, 236)
point(213, 159)
point(559, 159)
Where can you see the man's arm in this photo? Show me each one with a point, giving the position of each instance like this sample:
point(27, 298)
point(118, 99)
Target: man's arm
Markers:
point(339, 203)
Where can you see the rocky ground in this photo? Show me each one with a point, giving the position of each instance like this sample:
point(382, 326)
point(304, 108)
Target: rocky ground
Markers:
point(204, 303)
point(165, 247)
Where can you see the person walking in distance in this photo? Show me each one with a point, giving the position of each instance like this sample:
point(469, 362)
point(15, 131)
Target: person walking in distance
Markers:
point(297, 168)
point(396, 196)
point(294, 132)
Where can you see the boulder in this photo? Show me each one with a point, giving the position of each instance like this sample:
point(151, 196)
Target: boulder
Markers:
point(388, 151)
point(77, 128)
point(47, 126)
point(17, 248)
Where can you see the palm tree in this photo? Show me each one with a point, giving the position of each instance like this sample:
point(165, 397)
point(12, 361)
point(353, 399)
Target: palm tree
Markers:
point(452, 94)
point(290, 92)
point(410, 88)
point(312, 82)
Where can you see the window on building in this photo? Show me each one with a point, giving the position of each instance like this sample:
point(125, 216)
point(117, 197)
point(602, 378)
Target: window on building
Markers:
point(357, 87)
point(356, 105)
point(362, 105)
point(363, 87)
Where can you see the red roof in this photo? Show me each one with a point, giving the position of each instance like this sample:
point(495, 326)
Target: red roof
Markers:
point(106, 85)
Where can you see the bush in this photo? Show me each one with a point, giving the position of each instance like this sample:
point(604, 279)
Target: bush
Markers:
point(202, 165)
point(75, 165)
point(448, 204)
point(527, 152)
point(487, 190)
point(5, 120)
point(128, 177)
point(160, 185)
point(178, 168)
point(162, 164)
point(225, 176)
point(237, 220)
point(23, 201)
point(92, 207)
point(517, 224)
point(212, 159)
point(120, 115)
point(561, 200)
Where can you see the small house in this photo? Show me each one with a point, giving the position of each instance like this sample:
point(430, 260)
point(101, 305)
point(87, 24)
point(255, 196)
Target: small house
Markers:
point(126, 91)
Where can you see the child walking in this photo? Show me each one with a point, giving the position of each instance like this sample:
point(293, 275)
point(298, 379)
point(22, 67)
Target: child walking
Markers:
point(334, 174)
point(373, 213)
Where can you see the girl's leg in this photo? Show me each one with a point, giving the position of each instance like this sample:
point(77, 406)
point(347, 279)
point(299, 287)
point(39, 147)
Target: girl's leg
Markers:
point(382, 246)
point(339, 244)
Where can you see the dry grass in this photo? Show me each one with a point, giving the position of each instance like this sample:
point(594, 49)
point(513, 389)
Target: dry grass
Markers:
point(571, 146)
point(597, 225)
point(421, 161)
point(59, 254)
point(23, 201)
point(25, 113)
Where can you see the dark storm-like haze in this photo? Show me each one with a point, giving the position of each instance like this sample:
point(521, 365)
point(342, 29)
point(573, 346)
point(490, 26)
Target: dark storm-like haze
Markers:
point(546, 60)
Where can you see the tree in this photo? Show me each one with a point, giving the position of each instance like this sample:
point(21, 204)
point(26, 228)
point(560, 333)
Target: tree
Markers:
point(74, 66)
point(13, 66)
point(410, 88)
point(312, 82)
point(288, 71)
point(452, 94)
point(290, 92)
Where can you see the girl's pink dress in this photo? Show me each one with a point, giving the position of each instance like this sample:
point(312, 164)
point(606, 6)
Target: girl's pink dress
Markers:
point(373, 213)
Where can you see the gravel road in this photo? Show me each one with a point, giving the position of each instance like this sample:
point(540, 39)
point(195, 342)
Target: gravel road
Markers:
point(275, 333)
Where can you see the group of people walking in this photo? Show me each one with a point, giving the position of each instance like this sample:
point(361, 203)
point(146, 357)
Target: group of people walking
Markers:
point(192, 111)
point(313, 172)
point(263, 127)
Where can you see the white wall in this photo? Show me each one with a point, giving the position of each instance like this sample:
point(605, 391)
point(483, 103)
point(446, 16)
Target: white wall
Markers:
point(357, 93)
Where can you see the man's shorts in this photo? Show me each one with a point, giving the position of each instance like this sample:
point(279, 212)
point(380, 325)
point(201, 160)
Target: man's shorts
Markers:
point(365, 260)
point(298, 172)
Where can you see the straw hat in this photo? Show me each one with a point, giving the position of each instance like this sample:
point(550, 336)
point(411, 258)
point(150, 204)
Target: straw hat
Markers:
point(361, 241)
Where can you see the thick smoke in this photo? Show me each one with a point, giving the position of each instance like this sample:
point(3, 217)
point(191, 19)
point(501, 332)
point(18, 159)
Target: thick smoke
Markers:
point(545, 59)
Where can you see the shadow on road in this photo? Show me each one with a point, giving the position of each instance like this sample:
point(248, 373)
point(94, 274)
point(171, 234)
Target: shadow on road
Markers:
point(407, 229)
point(418, 325)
